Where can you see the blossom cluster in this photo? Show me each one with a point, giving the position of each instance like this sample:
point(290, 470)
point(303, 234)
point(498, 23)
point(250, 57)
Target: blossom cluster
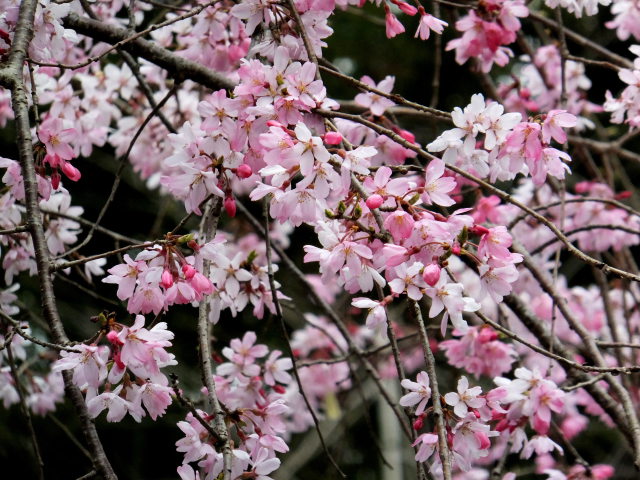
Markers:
point(127, 370)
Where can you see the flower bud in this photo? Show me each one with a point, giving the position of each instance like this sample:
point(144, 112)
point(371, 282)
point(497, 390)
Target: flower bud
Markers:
point(332, 138)
point(431, 274)
point(479, 230)
point(71, 172)
point(167, 279)
point(188, 271)
point(112, 336)
point(244, 171)
point(55, 179)
point(230, 206)
point(406, 8)
point(408, 136)
point(418, 423)
point(201, 284)
point(623, 195)
point(487, 335)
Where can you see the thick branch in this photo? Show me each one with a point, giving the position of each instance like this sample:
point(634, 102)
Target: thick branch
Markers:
point(11, 78)
point(172, 62)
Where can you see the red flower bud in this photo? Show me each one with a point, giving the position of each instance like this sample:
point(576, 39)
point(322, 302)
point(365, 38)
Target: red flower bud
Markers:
point(230, 206)
point(244, 171)
point(188, 271)
point(71, 172)
point(167, 279)
point(479, 230)
point(418, 423)
point(332, 138)
point(408, 136)
point(55, 180)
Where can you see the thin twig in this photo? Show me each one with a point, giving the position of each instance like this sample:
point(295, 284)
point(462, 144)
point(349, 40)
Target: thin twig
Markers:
point(188, 404)
point(430, 364)
point(129, 38)
point(285, 333)
point(208, 227)
point(491, 188)
point(121, 167)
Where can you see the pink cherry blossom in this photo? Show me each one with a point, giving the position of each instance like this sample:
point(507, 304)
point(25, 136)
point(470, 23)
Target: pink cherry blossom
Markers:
point(465, 398)
point(420, 393)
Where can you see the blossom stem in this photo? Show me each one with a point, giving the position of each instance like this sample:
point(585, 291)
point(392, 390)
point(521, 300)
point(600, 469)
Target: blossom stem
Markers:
point(430, 362)
point(208, 227)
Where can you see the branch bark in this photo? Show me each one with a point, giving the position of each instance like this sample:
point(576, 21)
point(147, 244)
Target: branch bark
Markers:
point(11, 78)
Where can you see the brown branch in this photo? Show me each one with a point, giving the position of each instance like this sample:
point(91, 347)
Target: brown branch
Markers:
point(11, 78)
point(430, 363)
point(128, 39)
point(173, 63)
point(285, 333)
point(208, 227)
point(81, 261)
point(188, 404)
point(391, 96)
point(581, 40)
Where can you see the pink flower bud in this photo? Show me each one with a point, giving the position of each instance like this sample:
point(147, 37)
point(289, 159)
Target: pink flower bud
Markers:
point(230, 206)
point(112, 336)
point(166, 279)
point(279, 389)
point(201, 284)
point(483, 440)
point(502, 425)
point(431, 274)
point(332, 138)
point(456, 249)
point(487, 335)
point(602, 472)
point(479, 230)
point(71, 172)
point(407, 135)
point(583, 187)
point(623, 195)
point(188, 271)
point(418, 423)
point(406, 8)
point(274, 123)
point(374, 201)
point(118, 361)
point(244, 171)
